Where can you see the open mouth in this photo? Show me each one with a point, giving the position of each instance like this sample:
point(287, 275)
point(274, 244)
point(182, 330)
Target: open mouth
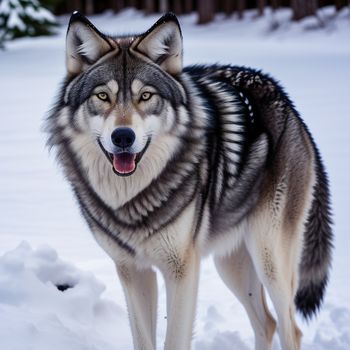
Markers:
point(124, 163)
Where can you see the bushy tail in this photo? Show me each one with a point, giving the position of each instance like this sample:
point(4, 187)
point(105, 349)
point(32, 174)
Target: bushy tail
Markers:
point(317, 251)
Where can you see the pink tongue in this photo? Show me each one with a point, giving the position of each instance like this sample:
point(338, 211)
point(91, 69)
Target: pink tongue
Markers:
point(124, 162)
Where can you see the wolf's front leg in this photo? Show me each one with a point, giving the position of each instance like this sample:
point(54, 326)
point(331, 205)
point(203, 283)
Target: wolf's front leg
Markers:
point(181, 281)
point(140, 288)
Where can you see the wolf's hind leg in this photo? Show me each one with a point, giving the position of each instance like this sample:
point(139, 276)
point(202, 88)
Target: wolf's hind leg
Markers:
point(238, 273)
point(140, 288)
point(275, 261)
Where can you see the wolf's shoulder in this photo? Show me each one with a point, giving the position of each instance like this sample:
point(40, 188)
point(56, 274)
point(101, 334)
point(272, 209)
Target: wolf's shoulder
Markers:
point(274, 112)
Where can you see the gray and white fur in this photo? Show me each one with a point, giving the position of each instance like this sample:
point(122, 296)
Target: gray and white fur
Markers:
point(169, 164)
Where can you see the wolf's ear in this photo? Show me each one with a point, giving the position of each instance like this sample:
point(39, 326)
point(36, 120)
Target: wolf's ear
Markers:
point(84, 44)
point(162, 43)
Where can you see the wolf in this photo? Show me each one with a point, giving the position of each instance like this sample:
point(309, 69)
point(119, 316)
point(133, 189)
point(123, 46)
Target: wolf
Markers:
point(169, 164)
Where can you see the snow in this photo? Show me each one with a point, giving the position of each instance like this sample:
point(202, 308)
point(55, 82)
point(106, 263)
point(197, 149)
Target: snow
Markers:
point(35, 313)
point(8, 6)
point(40, 14)
point(15, 21)
point(5, 7)
point(37, 206)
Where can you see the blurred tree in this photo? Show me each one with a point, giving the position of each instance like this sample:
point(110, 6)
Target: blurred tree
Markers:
point(261, 5)
point(163, 6)
point(150, 6)
point(116, 5)
point(51, 4)
point(206, 11)
point(275, 4)
point(241, 5)
point(339, 4)
point(188, 6)
point(302, 8)
point(228, 7)
point(75, 5)
point(89, 7)
point(177, 7)
point(20, 18)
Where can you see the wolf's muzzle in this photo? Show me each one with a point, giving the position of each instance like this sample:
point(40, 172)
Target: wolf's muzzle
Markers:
point(123, 137)
point(124, 163)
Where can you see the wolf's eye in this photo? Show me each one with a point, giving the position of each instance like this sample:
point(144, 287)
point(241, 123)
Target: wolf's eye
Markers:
point(102, 96)
point(145, 96)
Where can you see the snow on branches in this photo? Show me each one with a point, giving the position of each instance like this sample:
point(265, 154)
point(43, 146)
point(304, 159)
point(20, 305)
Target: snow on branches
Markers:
point(21, 18)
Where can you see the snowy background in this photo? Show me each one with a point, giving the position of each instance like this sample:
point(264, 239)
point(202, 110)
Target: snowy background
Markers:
point(44, 241)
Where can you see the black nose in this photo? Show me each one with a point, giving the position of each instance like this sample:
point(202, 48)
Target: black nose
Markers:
point(123, 137)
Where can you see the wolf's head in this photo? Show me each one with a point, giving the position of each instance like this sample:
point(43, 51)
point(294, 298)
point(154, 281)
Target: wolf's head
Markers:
point(123, 91)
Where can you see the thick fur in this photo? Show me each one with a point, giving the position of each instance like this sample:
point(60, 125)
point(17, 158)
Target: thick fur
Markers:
point(226, 166)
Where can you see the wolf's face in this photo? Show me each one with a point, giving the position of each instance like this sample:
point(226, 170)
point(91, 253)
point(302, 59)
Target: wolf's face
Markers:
point(122, 91)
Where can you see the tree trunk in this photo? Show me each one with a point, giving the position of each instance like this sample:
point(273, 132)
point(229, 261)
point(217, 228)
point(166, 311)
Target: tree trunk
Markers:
point(261, 5)
point(177, 6)
point(131, 3)
point(302, 8)
point(163, 6)
point(228, 7)
point(188, 6)
point(149, 6)
point(89, 7)
point(75, 5)
point(240, 8)
point(339, 4)
point(117, 5)
point(275, 4)
point(205, 11)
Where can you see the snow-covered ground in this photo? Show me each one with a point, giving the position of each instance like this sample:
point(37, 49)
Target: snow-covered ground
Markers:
point(37, 207)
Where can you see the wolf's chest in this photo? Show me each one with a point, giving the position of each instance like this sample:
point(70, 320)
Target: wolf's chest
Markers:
point(150, 212)
point(162, 248)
